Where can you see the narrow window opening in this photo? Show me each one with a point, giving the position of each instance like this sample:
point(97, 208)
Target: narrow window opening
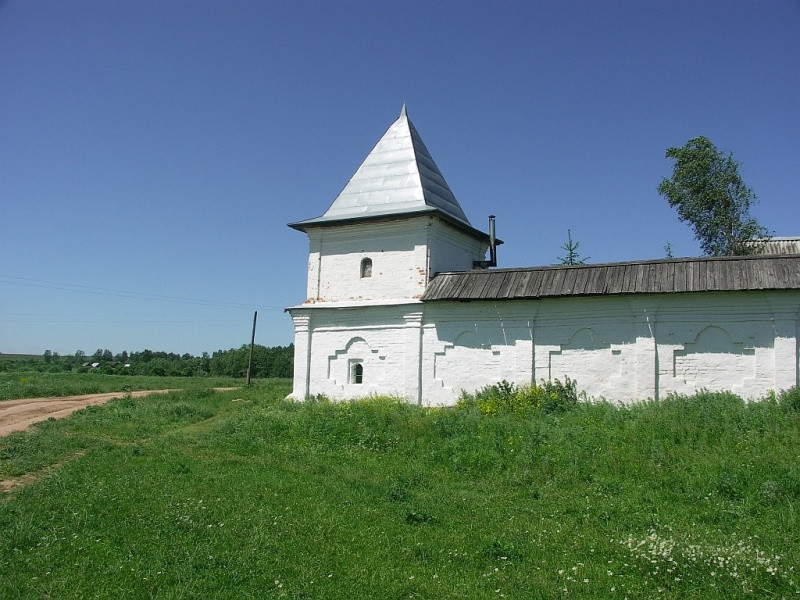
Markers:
point(357, 373)
point(366, 268)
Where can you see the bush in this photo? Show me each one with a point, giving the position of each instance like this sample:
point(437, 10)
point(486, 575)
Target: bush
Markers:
point(508, 398)
point(561, 396)
point(790, 399)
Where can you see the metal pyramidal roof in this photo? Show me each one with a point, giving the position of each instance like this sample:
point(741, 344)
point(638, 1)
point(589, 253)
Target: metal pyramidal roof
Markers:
point(398, 177)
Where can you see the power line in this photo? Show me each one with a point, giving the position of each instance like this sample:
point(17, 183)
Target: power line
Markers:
point(86, 289)
point(112, 321)
point(101, 320)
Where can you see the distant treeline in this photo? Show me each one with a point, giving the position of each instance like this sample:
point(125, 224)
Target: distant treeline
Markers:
point(267, 362)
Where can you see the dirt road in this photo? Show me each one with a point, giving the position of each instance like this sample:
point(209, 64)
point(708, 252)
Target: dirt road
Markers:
point(16, 415)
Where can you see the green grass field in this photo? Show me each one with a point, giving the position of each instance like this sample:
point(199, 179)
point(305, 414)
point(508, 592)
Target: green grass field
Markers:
point(30, 384)
point(28, 357)
point(200, 494)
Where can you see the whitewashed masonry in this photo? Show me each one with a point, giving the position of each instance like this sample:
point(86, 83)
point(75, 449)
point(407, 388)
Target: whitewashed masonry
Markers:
point(394, 305)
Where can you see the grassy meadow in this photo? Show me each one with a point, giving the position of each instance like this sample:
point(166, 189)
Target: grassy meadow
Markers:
point(31, 384)
point(241, 494)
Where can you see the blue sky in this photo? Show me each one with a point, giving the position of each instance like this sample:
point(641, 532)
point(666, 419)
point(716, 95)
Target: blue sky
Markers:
point(151, 153)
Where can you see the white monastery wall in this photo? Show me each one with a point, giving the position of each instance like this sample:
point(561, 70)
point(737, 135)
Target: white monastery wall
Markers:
point(623, 348)
point(593, 340)
point(365, 331)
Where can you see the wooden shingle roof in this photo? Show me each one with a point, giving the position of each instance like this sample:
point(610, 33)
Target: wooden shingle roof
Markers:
point(640, 277)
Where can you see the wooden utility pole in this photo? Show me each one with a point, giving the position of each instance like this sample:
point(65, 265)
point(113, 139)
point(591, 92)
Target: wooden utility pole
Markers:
point(252, 343)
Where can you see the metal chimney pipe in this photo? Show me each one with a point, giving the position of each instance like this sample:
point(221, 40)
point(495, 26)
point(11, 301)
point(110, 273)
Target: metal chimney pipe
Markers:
point(492, 243)
point(492, 262)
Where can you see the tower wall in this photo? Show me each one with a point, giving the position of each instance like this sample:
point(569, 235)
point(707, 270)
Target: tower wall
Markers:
point(403, 255)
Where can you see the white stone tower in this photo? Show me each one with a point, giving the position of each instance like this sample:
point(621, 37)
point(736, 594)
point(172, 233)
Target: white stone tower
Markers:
point(394, 225)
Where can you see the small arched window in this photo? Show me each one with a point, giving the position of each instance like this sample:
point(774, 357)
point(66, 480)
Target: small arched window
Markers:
point(366, 267)
point(357, 375)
